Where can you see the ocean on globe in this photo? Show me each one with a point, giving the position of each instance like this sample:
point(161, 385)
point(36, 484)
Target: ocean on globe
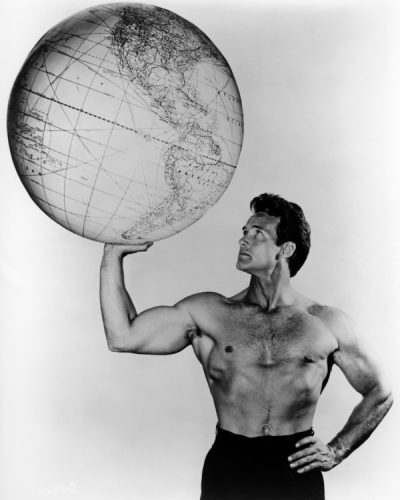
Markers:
point(125, 123)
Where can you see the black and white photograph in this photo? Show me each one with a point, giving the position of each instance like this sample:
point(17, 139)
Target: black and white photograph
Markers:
point(200, 277)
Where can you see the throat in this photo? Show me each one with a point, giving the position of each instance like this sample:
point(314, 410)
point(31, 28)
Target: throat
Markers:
point(269, 295)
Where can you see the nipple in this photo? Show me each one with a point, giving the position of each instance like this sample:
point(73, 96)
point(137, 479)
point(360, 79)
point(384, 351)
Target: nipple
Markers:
point(228, 348)
point(265, 429)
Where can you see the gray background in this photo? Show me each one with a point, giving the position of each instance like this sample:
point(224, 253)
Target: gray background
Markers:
point(319, 82)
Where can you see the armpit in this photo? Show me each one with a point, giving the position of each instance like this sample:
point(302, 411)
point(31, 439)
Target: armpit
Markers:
point(330, 362)
point(192, 334)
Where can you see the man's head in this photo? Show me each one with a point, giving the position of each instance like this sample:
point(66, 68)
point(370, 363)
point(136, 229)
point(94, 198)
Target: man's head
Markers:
point(276, 228)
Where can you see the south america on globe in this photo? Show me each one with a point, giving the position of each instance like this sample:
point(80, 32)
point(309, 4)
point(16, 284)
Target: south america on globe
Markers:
point(125, 123)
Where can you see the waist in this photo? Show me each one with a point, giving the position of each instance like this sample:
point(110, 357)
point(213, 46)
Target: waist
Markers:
point(282, 443)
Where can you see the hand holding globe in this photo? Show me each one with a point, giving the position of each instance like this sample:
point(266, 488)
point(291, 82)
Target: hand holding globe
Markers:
point(120, 251)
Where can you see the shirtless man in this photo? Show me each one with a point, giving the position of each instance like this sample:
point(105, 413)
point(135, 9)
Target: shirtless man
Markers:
point(266, 354)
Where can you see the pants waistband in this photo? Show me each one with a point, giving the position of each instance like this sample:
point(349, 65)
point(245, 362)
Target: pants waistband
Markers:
point(282, 441)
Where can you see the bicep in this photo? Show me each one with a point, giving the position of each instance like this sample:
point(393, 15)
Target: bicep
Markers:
point(358, 368)
point(354, 360)
point(159, 330)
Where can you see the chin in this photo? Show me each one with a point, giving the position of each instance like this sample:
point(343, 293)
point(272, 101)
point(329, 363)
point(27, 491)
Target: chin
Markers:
point(242, 267)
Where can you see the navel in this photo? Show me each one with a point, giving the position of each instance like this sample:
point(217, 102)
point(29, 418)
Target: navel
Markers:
point(229, 348)
point(265, 429)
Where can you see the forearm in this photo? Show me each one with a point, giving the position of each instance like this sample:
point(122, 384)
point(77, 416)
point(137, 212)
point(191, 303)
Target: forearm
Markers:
point(365, 417)
point(117, 309)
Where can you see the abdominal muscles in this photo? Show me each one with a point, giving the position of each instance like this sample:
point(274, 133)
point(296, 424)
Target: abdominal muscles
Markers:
point(254, 399)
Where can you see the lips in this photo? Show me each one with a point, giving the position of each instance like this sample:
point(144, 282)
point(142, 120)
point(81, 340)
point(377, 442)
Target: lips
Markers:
point(245, 254)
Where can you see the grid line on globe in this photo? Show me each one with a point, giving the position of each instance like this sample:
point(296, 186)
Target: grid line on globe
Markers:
point(125, 123)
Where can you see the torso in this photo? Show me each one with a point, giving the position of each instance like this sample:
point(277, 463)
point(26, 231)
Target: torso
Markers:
point(265, 370)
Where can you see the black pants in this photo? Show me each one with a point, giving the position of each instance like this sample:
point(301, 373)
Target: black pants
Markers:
point(242, 468)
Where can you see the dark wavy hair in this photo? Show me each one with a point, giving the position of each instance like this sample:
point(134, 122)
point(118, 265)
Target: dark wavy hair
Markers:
point(292, 226)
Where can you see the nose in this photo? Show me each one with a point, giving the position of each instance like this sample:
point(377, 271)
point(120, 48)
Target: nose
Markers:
point(243, 242)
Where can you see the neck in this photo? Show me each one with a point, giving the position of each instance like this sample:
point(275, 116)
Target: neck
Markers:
point(269, 292)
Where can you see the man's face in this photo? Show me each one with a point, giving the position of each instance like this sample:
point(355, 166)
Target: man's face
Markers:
point(258, 251)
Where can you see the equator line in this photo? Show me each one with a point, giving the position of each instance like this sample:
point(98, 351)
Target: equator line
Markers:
point(146, 135)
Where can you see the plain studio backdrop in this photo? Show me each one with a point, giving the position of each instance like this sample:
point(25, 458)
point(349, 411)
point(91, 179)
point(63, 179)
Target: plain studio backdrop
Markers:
point(319, 83)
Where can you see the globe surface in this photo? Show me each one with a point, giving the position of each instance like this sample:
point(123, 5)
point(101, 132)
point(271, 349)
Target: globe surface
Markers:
point(125, 123)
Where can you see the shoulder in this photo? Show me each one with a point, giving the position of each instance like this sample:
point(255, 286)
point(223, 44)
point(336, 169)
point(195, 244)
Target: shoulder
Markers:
point(201, 301)
point(338, 322)
point(238, 297)
point(205, 309)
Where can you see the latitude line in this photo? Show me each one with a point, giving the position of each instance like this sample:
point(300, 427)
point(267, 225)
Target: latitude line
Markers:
point(146, 136)
point(57, 172)
point(82, 202)
point(28, 178)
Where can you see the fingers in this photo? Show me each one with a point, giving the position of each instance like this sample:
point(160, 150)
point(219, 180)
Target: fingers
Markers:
point(313, 466)
point(306, 440)
point(139, 247)
point(305, 455)
point(313, 462)
point(310, 442)
point(315, 455)
point(122, 250)
point(306, 459)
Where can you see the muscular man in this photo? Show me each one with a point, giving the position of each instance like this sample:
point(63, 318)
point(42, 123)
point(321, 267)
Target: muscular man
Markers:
point(266, 354)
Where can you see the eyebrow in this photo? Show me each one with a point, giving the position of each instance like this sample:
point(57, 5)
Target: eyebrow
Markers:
point(257, 227)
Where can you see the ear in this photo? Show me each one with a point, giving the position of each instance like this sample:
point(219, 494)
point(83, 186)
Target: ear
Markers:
point(287, 249)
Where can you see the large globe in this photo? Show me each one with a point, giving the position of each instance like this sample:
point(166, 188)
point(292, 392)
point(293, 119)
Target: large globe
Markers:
point(125, 123)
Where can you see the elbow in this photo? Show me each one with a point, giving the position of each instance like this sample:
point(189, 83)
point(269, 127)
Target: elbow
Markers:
point(113, 347)
point(389, 399)
point(115, 342)
point(383, 396)
point(117, 345)
point(386, 395)
point(122, 343)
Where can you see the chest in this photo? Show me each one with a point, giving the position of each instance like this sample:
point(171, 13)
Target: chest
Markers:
point(274, 338)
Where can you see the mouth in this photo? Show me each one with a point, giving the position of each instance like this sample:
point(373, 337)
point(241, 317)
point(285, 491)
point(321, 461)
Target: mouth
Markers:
point(241, 254)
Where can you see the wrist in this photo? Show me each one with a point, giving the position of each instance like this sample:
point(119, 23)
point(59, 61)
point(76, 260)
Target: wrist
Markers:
point(338, 452)
point(113, 252)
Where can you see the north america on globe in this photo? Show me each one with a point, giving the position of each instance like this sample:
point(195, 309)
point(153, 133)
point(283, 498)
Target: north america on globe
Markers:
point(125, 123)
